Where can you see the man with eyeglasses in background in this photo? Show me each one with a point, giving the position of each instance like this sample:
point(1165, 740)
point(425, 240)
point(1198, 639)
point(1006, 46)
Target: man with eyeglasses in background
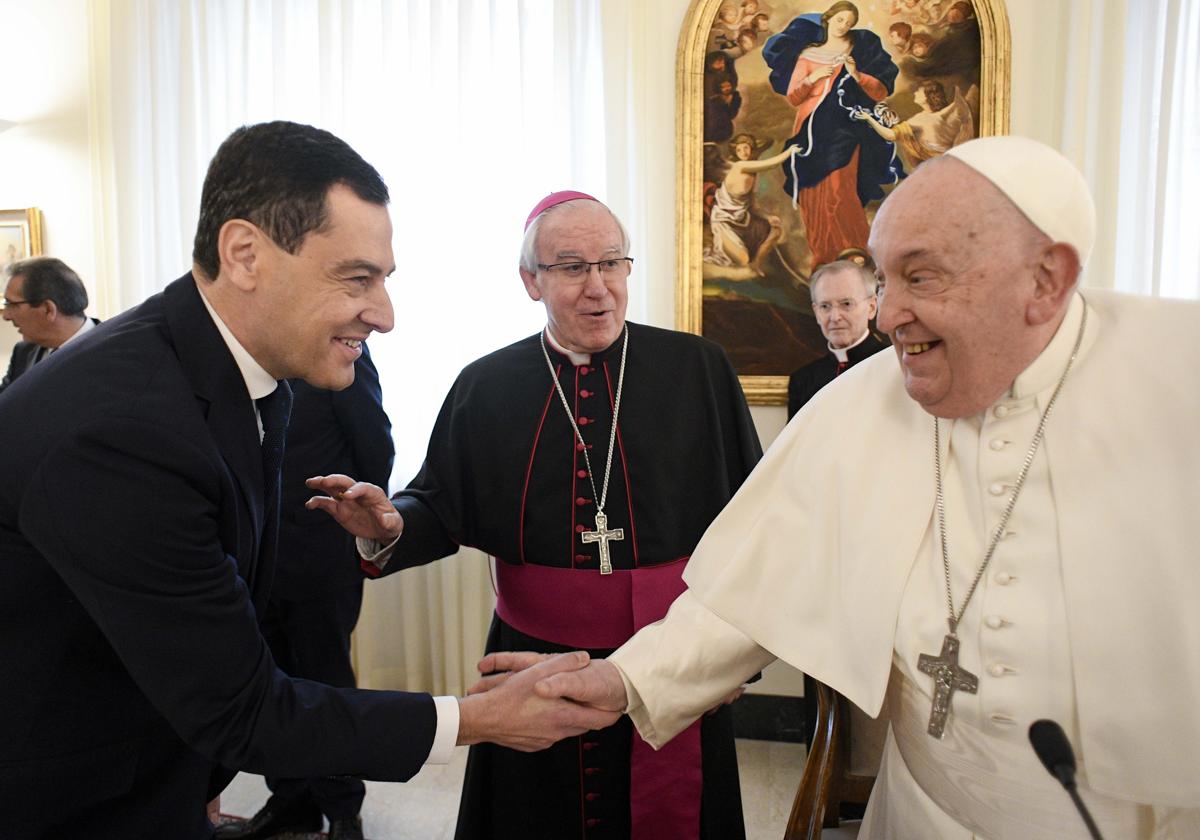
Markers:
point(843, 299)
point(44, 299)
point(587, 459)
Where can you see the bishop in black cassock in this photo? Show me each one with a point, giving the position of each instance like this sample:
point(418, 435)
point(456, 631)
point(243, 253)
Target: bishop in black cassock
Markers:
point(506, 473)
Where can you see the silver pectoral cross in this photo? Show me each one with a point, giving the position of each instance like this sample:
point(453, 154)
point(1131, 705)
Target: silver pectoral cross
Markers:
point(947, 678)
point(602, 535)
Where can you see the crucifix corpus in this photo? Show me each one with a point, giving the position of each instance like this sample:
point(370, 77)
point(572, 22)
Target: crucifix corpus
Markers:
point(602, 535)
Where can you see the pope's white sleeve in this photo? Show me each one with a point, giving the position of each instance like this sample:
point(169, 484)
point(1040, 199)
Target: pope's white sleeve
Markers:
point(683, 665)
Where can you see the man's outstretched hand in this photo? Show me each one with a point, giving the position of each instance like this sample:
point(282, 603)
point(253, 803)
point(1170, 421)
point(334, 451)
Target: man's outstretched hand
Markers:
point(522, 708)
point(361, 508)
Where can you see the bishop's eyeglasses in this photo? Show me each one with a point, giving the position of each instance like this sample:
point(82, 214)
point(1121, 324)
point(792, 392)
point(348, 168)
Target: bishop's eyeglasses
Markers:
point(577, 271)
point(845, 305)
point(13, 304)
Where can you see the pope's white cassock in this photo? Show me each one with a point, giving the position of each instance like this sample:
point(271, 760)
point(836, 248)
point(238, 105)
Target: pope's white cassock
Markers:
point(1089, 613)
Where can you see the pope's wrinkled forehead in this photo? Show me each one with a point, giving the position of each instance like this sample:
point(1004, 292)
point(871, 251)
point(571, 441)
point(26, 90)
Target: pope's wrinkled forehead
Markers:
point(943, 197)
point(998, 177)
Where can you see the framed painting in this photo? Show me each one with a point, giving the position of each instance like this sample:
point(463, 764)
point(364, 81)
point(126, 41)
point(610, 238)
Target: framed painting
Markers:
point(20, 235)
point(796, 118)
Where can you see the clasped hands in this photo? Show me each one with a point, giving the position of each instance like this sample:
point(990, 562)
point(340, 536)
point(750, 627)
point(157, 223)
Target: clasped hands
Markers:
point(529, 701)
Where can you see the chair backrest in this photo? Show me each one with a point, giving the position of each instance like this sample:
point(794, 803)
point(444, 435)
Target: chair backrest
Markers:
point(842, 759)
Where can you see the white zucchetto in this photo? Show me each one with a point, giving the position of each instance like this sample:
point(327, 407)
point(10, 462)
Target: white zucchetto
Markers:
point(1041, 182)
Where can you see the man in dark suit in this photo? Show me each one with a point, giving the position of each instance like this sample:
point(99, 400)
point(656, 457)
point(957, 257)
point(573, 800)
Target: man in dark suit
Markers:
point(44, 299)
point(138, 517)
point(843, 300)
point(318, 587)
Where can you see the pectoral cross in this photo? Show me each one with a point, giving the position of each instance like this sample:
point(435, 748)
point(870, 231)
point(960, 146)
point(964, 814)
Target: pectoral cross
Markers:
point(602, 535)
point(947, 678)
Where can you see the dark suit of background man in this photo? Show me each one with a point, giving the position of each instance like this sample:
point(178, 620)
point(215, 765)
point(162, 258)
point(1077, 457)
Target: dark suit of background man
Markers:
point(318, 587)
point(843, 296)
point(137, 530)
point(44, 299)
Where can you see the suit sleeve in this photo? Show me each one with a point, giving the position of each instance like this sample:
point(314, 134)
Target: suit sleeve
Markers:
point(19, 352)
point(151, 571)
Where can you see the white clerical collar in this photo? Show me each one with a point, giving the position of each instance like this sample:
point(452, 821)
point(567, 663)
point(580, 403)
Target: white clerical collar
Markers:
point(87, 325)
point(843, 353)
point(577, 359)
point(1047, 368)
point(259, 383)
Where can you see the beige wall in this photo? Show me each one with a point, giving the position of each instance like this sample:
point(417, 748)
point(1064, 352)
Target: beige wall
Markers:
point(44, 159)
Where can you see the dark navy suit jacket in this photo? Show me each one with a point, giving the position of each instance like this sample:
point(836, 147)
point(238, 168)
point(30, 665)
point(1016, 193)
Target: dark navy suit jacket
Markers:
point(133, 672)
point(24, 357)
point(343, 431)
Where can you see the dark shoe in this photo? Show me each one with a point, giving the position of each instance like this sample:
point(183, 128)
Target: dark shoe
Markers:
point(274, 819)
point(346, 829)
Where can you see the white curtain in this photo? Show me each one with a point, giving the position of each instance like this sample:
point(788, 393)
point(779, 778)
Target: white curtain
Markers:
point(471, 110)
point(1158, 248)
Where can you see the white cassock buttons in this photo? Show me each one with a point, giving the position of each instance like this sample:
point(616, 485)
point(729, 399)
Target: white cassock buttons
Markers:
point(997, 670)
point(1003, 578)
point(996, 488)
point(1000, 411)
point(997, 444)
point(994, 621)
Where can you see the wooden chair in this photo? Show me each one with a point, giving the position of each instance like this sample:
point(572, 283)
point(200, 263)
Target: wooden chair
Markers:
point(831, 777)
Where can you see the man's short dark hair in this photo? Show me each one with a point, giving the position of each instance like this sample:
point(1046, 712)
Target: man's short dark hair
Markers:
point(276, 175)
point(48, 278)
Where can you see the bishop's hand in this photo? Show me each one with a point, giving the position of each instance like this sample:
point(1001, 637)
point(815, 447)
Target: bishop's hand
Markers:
point(362, 509)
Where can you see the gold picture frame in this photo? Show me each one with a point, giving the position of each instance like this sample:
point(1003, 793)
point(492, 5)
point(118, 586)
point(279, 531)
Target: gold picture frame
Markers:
point(20, 235)
point(743, 324)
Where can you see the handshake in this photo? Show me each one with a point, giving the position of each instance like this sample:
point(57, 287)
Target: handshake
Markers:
point(529, 701)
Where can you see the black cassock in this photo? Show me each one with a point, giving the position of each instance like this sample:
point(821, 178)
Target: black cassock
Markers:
point(504, 474)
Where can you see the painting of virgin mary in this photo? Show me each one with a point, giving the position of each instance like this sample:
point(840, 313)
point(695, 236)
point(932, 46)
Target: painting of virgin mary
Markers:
point(829, 71)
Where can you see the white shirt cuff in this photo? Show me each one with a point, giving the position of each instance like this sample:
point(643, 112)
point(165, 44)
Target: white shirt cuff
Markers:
point(446, 736)
point(375, 552)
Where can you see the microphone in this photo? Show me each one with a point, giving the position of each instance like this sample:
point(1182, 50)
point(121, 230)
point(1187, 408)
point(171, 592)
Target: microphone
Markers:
point(1052, 747)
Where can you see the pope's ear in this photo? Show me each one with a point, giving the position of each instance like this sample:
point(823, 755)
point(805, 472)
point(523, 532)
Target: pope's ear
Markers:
point(239, 247)
point(529, 278)
point(1055, 276)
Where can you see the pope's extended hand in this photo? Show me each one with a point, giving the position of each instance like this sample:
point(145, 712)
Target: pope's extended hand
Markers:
point(361, 508)
point(505, 709)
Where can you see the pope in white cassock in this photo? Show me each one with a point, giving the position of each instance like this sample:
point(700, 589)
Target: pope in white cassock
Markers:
point(1056, 427)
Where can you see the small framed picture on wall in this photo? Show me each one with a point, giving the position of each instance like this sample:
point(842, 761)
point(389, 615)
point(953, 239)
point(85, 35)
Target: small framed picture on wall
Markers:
point(20, 235)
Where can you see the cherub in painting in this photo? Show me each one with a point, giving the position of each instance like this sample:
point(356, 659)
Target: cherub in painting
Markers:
point(742, 236)
point(939, 126)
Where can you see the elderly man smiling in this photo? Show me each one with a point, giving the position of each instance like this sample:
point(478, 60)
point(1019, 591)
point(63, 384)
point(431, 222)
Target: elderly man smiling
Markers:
point(994, 531)
point(587, 459)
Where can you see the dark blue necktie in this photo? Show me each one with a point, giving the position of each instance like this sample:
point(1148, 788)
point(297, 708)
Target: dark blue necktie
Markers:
point(274, 410)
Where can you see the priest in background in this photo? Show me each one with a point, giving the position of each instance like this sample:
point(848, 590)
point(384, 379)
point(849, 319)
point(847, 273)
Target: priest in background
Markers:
point(997, 530)
point(587, 460)
point(843, 299)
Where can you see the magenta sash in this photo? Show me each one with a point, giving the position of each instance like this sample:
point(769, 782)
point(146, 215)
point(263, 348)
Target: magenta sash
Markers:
point(581, 609)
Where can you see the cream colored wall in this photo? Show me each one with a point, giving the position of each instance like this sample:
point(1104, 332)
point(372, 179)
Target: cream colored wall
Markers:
point(44, 159)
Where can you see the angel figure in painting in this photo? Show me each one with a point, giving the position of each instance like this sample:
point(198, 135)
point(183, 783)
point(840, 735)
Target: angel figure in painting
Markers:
point(826, 69)
point(742, 236)
point(938, 127)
